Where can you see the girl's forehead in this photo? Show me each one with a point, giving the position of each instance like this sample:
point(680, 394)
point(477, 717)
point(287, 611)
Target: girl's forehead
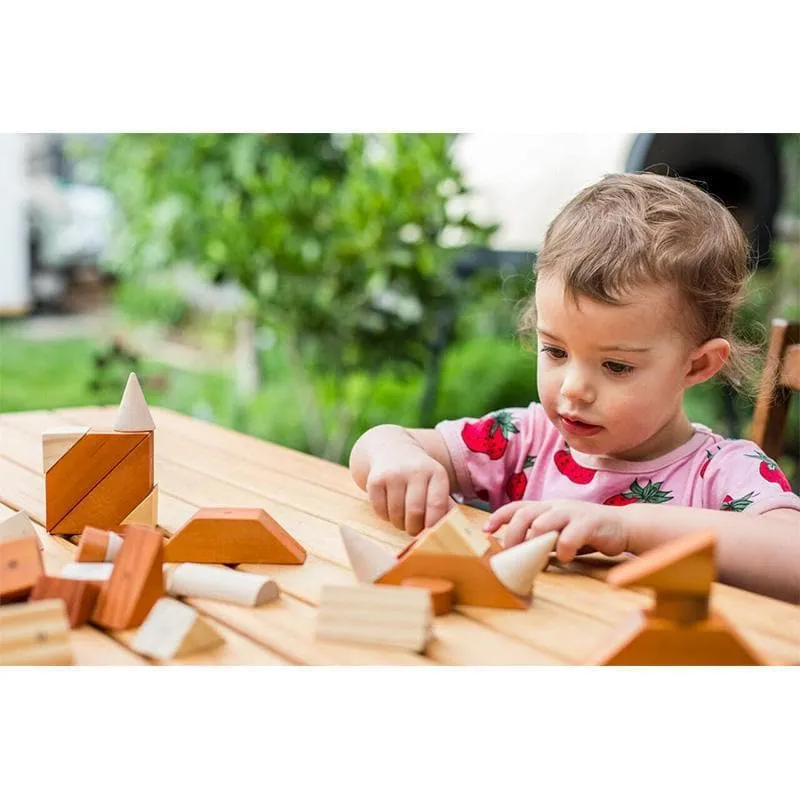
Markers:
point(648, 313)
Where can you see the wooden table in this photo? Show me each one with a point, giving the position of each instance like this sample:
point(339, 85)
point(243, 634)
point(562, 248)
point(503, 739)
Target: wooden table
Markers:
point(201, 464)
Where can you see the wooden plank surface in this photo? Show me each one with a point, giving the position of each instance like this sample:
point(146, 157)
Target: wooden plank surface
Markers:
point(199, 464)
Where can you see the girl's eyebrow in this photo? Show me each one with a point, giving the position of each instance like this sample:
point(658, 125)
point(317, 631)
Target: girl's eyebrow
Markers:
point(607, 348)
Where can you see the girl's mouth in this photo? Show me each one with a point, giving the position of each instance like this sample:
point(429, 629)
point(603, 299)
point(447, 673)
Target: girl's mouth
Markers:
point(579, 428)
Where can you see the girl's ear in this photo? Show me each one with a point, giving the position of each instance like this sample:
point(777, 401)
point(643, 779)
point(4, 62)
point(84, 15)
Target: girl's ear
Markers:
point(706, 361)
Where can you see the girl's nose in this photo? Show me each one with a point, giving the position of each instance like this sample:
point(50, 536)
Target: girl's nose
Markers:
point(575, 386)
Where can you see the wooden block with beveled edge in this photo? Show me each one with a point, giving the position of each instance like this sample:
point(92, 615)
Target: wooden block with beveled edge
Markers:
point(80, 597)
point(33, 634)
point(136, 583)
point(233, 536)
point(82, 467)
point(389, 616)
point(116, 495)
point(20, 568)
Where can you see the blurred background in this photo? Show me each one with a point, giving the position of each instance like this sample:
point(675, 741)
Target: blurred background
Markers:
point(304, 287)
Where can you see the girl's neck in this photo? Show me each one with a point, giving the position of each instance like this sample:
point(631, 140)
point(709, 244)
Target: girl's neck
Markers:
point(676, 432)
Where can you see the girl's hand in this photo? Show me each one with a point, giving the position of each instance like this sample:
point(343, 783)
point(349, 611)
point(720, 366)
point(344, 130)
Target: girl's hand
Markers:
point(579, 523)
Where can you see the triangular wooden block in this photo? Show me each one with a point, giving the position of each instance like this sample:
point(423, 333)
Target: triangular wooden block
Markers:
point(233, 536)
point(114, 497)
point(146, 513)
point(133, 414)
point(18, 526)
point(20, 568)
point(173, 630)
point(453, 534)
point(684, 565)
point(518, 566)
point(368, 559)
point(57, 441)
point(475, 583)
point(82, 468)
point(35, 634)
point(137, 581)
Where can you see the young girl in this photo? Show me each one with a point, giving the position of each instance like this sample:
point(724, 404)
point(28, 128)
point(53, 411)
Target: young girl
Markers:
point(637, 284)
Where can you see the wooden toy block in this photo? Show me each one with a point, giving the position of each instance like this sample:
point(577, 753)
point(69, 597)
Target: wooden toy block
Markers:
point(96, 573)
point(233, 536)
point(518, 566)
point(146, 513)
point(82, 468)
point(20, 567)
point(454, 534)
point(116, 495)
point(474, 581)
point(57, 441)
point(440, 591)
point(35, 634)
point(136, 582)
point(368, 559)
point(98, 545)
point(173, 630)
point(220, 583)
point(79, 597)
point(133, 413)
point(680, 629)
point(376, 615)
point(18, 526)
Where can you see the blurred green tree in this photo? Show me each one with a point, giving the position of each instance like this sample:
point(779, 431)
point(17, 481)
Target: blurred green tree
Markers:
point(344, 243)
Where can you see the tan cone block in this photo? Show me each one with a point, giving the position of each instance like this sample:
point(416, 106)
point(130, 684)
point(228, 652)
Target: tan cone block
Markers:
point(368, 559)
point(518, 566)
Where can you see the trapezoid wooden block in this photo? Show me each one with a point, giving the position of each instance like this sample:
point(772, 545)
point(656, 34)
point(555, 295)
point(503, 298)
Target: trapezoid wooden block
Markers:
point(79, 597)
point(387, 616)
point(99, 481)
point(35, 634)
point(20, 568)
point(233, 536)
point(136, 583)
point(174, 630)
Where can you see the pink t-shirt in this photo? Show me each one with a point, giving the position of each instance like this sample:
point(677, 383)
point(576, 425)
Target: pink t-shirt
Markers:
point(518, 454)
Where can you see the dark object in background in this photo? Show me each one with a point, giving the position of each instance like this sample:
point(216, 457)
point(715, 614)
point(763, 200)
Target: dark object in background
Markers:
point(743, 170)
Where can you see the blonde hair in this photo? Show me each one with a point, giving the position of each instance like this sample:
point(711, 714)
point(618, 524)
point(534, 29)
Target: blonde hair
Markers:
point(631, 230)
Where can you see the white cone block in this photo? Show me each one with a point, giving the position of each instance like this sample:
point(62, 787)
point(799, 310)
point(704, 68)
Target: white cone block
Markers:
point(133, 414)
point(220, 583)
point(518, 566)
point(368, 559)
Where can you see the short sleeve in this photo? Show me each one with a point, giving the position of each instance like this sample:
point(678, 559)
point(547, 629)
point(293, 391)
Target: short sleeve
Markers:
point(487, 451)
point(736, 475)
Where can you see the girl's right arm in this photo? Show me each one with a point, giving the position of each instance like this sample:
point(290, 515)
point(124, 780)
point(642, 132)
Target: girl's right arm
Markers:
point(407, 473)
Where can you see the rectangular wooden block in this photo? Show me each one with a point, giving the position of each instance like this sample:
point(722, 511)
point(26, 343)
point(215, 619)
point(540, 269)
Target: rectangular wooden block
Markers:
point(390, 616)
point(79, 597)
point(35, 634)
point(20, 568)
point(116, 495)
point(136, 583)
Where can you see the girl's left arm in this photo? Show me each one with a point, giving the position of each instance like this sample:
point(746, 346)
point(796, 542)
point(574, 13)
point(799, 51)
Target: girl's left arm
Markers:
point(757, 552)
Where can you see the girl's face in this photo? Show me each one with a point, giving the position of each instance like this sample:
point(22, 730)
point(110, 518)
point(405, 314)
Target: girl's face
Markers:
point(611, 378)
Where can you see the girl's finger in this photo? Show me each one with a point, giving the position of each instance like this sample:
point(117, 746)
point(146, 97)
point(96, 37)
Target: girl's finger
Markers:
point(377, 498)
point(573, 537)
point(415, 504)
point(439, 501)
point(518, 527)
point(396, 501)
point(553, 519)
point(505, 513)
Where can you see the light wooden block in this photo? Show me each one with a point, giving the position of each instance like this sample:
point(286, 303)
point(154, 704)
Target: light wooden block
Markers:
point(116, 495)
point(98, 545)
point(136, 582)
point(454, 535)
point(57, 441)
point(82, 468)
point(146, 513)
point(35, 634)
point(368, 559)
point(220, 583)
point(97, 573)
point(79, 597)
point(133, 413)
point(518, 566)
point(388, 616)
point(20, 567)
point(173, 630)
point(18, 526)
point(233, 536)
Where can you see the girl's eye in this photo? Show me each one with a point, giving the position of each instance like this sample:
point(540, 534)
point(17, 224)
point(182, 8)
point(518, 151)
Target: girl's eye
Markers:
point(618, 369)
point(553, 352)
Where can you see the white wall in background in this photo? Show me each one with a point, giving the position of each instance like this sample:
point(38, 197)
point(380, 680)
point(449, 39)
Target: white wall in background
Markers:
point(15, 292)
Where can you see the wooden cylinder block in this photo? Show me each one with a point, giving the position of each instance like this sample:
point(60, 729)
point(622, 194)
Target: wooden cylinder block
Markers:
point(96, 573)
point(440, 589)
point(98, 545)
point(220, 583)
